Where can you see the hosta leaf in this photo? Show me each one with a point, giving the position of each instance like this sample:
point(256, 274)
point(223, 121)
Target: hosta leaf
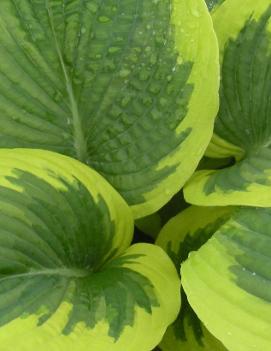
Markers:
point(67, 277)
point(184, 233)
point(105, 81)
point(228, 281)
point(243, 128)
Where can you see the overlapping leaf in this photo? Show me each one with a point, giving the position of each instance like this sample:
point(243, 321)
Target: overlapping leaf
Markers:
point(243, 128)
point(184, 233)
point(105, 81)
point(228, 280)
point(68, 278)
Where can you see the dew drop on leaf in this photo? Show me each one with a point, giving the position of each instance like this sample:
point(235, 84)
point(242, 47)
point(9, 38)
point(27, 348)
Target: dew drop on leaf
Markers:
point(124, 73)
point(104, 19)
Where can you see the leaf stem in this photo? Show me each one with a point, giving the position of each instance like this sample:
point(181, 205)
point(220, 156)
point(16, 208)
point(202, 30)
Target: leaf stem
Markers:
point(79, 137)
point(63, 272)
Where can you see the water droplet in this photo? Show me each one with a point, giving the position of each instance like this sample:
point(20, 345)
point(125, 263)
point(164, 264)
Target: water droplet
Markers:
point(77, 81)
point(155, 114)
point(180, 101)
point(58, 96)
point(154, 88)
point(153, 59)
point(104, 19)
point(138, 49)
point(159, 39)
point(124, 73)
point(89, 77)
point(92, 7)
point(119, 39)
point(144, 75)
point(116, 111)
point(170, 89)
point(195, 12)
point(126, 119)
point(113, 49)
point(66, 136)
point(107, 157)
point(172, 125)
point(125, 101)
point(163, 102)
point(179, 60)
point(168, 192)
point(147, 101)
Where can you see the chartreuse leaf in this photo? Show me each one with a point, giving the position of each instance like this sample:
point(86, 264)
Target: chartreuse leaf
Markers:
point(228, 281)
point(68, 278)
point(243, 126)
point(184, 233)
point(105, 81)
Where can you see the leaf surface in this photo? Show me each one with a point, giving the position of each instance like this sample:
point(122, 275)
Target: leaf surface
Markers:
point(68, 278)
point(185, 233)
point(228, 279)
point(243, 127)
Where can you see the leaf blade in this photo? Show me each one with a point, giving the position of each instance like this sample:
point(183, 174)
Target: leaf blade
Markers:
point(235, 259)
point(82, 79)
point(242, 127)
point(183, 234)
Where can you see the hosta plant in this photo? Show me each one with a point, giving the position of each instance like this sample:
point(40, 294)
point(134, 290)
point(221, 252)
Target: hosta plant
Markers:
point(106, 110)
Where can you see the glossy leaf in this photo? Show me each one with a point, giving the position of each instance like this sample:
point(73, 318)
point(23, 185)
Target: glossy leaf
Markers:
point(106, 81)
point(243, 128)
point(228, 279)
point(187, 232)
point(68, 278)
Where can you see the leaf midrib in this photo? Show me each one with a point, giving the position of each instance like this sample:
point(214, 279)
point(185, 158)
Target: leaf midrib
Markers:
point(80, 144)
point(62, 272)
